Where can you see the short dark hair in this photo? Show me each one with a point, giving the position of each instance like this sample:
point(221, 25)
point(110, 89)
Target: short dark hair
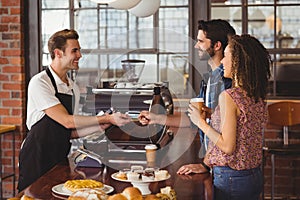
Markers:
point(59, 39)
point(216, 30)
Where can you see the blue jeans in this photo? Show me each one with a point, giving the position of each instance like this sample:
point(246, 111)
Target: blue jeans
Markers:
point(232, 184)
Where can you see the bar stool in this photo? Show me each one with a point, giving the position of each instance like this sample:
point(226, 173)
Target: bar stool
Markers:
point(4, 130)
point(284, 114)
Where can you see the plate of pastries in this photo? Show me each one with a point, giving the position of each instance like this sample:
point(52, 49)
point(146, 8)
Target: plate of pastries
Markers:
point(138, 174)
point(83, 187)
point(129, 193)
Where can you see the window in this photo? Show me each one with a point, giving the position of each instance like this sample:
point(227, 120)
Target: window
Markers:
point(276, 25)
point(108, 35)
point(103, 51)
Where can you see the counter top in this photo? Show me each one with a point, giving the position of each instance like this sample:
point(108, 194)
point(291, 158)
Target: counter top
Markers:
point(186, 143)
point(6, 127)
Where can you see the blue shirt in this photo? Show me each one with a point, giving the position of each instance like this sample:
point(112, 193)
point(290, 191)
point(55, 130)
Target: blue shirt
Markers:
point(217, 84)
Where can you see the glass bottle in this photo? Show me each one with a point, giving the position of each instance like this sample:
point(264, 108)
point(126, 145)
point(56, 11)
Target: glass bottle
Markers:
point(157, 107)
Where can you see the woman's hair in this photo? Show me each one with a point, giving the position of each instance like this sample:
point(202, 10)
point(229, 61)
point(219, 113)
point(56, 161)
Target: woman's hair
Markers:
point(59, 39)
point(250, 65)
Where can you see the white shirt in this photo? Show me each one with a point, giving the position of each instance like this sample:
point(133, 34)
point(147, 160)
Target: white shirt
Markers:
point(41, 95)
point(207, 120)
point(207, 92)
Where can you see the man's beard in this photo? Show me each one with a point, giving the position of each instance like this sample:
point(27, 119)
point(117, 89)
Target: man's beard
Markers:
point(206, 54)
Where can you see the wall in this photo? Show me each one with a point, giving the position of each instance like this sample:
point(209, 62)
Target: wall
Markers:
point(287, 168)
point(12, 79)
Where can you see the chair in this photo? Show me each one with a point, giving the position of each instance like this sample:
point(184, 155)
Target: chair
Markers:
point(285, 114)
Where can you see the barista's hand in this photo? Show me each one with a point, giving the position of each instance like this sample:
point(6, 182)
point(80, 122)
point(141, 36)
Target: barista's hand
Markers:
point(144, 117)
point(104, 126)
point(119, 119)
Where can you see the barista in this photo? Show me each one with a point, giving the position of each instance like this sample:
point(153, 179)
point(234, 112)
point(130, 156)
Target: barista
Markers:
point(53, 100)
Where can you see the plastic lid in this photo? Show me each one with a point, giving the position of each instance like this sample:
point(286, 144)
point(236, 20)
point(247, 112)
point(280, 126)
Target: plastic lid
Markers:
point(197, 100)
point(150, 146)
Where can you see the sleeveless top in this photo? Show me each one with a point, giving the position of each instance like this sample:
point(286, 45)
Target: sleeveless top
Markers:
point(250, 124)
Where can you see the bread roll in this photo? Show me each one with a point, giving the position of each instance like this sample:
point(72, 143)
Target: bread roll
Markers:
point(151, 197)
point(25, 197)
point(118, 196)
point(132, 193)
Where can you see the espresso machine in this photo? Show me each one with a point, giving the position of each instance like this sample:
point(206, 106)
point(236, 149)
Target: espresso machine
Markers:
point(126, 144)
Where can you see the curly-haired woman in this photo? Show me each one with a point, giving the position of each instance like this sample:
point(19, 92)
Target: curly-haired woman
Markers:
point(235, 133)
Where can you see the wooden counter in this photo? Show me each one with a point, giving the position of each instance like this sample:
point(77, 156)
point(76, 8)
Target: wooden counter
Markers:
point(4, 128)
point(196, 186)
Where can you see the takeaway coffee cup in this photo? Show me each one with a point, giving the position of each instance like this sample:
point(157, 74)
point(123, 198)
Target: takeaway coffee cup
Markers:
point(197, 102)
point(150, 153)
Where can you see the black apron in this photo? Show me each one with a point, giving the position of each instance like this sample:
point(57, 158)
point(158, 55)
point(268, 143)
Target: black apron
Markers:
point(46, 144)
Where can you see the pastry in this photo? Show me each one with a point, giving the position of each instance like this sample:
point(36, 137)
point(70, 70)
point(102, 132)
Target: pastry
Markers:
point(136, 167)
point(74, 185)
point(161, 174)
point(121, 175)
point(148, 175)
point(151, 197)
point(169, 192)
point(162, 196)
point(87, 194)
point(133, 176)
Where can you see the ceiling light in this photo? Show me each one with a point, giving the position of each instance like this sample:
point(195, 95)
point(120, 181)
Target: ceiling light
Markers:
point(145, 8)
point(103, 1)
point(124, 5)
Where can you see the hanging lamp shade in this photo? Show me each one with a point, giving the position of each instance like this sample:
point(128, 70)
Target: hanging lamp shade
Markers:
point(145, 8)
point(103, 1)
point(124, 4)
point(270, 21)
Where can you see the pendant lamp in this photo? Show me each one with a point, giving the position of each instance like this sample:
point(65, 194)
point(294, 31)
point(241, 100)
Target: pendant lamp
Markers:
point(145, 8)
point(103, 1)
point(124, 4)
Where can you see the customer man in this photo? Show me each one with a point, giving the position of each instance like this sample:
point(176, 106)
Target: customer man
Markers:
point(211, 41)
point(52, 99)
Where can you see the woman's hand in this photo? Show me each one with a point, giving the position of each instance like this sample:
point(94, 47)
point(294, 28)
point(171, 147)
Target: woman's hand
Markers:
point(192, 168)
point(208, 111)
point(197, 116)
